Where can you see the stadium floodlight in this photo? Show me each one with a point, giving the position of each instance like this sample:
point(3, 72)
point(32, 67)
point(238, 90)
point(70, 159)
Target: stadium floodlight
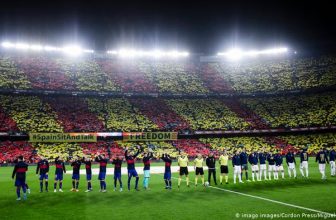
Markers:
point(73, 50)
point(236, 54)
point(50, 48)
point(22, 46)
point(7, 44)
point(112, 52)
point(156, 53)
point(36, 47)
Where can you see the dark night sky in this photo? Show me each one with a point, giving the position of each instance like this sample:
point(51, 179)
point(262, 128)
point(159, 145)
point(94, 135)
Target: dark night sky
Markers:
point(207, 26)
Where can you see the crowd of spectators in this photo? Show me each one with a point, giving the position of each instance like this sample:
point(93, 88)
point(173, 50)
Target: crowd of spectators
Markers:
point(207, 114)
point(160, 114)
point(11, 77)
point(44, 73)
point(73, 114)
point(295, 111)
point(119, 115)
point(30, 113)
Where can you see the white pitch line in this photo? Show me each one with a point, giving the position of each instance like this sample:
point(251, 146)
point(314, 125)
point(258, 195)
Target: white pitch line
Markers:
point(269, 200)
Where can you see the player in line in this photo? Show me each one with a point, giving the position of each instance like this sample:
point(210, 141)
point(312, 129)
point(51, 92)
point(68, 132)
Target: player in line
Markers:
point(76, 164)
point(167, 174)
point(102, 171)
point(271, 166)
point(19, 173)
point(88, 169)
point(117, 173)
point(262, 160)
point(243, 160)
point(224, 168)
point(253, 160)
point(60, 169)
point(43, 168)
point(322, 159)
point(279, 166)
point(183, 164)
point(146, 161)
point(332, 157)
point(304, 162)
point(198, 167)
point(291, 163)
point(130, 159)
point(236, 163)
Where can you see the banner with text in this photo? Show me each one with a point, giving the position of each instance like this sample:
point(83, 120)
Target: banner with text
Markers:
point(149, 136)
point(62, 137)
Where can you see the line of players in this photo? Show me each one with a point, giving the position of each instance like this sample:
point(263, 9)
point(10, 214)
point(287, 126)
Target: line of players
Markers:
point(240, 161)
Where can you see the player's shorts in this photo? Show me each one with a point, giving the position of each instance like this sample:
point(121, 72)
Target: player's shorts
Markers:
point(304, 165)
point(132, 173)
point(59, 176)
point(20, 182)
point(237, 169)
point(255, 167)
point(199, 171)
point(322, 167)
point(279, 168)
point(167, 176)
point(224, 169)
point(271, 168)
point(244, 167)
point(291, 166)
point(117, 175)
point(44, 176)
point(184, 171)
point(146, 173)
point(75, 176)
point(263, 167)
point(101, 176)
point(88, 176)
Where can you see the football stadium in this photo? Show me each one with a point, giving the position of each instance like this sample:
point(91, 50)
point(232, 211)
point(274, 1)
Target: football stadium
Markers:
point(114, 121)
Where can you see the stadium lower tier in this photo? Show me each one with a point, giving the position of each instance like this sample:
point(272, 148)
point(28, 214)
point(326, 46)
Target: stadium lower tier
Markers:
point(9, 150)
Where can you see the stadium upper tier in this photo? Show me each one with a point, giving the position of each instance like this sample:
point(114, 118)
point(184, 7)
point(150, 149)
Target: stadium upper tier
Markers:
point(91, 114)
point(165, 77)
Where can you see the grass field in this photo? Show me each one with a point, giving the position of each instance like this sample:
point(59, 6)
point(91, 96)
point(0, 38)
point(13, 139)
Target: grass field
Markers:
point(158, 203)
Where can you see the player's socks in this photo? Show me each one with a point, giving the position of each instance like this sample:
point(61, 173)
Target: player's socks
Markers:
point(269, 175)
point(129, 183)
point(196, 180)
point(301, 170)
point(203, 181)
point(24, 196)
point(77, 184)
point(120, 183)
point(220, 179)
point(226, 179)
point(170, 183)
point(18, 192)
point(166, 182)
point(136, 182)
point(101, 185)
point(307, 172)
point(55, 185)
point(234, 178)
point(115, 183)
point(187, 179)
point(60, 185)
point(41, 186)
point(179, 182)
point(246, 175)
point(46, 185)
point(294, 172)
point(104, 185)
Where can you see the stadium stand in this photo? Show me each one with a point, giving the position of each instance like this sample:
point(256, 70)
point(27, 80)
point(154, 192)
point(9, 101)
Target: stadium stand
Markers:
point(11, 77)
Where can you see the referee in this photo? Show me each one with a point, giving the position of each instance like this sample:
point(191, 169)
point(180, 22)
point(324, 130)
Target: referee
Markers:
point(211, 163)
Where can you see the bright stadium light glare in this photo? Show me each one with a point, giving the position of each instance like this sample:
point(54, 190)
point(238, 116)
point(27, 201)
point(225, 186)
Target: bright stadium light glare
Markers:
point(22, 46)
point(112, 52)
point(50, 48)
point(156, 53)
point(36, 47)
point(88, 51)
point(7, 44)
point(73, 50)
point(235, 54)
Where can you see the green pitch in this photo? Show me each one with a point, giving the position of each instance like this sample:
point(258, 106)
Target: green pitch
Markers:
point(158, 203)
